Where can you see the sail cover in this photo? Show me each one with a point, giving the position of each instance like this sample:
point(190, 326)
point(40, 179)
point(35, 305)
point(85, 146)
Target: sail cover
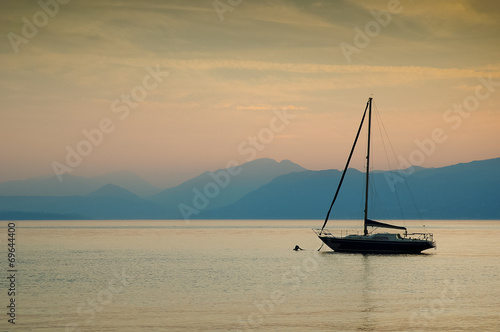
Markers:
point(373, 223)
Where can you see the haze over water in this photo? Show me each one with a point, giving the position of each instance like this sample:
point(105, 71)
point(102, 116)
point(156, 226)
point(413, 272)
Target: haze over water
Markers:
point(244, 275)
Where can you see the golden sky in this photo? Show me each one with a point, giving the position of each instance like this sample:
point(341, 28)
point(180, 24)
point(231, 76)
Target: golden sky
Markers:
point(170, 89)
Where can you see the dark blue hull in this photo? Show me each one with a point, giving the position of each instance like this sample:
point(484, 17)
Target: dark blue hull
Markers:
point(406, 246)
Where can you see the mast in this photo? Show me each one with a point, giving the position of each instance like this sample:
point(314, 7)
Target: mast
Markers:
point(368, 163)
point(346, 166)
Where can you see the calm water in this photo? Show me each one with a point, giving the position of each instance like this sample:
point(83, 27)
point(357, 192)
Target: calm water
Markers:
point(244, 275)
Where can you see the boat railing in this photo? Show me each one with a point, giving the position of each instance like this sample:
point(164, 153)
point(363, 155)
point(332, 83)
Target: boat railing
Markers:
point(420, 236)
point(322, 232)
point(343, 233)
point(327, 233)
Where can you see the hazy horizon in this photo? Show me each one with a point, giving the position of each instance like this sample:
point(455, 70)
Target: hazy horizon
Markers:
point(170, 89)
point(181, 180)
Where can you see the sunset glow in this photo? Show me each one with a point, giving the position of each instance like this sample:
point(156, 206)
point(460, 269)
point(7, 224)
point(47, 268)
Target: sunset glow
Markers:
point(170, 89)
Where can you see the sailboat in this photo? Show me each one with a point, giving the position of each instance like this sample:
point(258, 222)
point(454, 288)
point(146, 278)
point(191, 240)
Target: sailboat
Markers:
point(369, 242)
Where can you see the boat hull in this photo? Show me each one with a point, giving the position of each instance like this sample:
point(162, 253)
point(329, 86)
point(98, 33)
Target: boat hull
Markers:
point(404, 246)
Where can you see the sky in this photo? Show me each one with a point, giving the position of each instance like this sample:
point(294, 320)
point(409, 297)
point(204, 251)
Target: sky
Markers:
point(170, 89)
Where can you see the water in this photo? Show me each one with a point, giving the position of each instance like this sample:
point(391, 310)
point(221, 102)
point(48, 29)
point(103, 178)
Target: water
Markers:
point(244, 275)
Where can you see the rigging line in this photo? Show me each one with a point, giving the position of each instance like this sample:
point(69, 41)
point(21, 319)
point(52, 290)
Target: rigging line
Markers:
point(375, 200)
point(346, 166)
point(361, 198)
point(385, 136)
point(403, 175)
point(382, 126)
point(321, 246)
point(413, 200)
point(380, 210)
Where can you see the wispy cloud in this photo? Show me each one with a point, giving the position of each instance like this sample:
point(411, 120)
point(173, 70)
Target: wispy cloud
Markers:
point(226, 76)
point(271, 107)
point(311, 68)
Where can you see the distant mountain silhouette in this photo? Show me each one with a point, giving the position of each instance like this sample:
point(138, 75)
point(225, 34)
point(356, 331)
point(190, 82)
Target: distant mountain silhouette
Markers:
point(76, 185)
point(9, 215)
point(252, 175)
point(266, 189)
point(108, 202)
point(110, 190)
point(463, 191)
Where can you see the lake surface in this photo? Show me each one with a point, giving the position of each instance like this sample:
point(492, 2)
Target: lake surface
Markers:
point(244, 275)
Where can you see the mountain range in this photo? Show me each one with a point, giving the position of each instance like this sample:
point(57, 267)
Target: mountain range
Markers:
point(76, 185)
point(263, 189)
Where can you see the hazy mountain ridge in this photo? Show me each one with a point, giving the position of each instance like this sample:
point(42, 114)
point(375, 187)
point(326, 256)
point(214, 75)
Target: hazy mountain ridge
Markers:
point(250, 176)
point(16, 215)
point(89, 206)
point(266, 189)
point(462, 191)
point(76, 185)
point(111, 201)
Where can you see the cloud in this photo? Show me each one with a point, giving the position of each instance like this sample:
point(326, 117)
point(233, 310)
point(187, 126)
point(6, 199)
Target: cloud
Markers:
point(459, 11)
point(225, 76)
point(311, 68)
point(271, 107)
